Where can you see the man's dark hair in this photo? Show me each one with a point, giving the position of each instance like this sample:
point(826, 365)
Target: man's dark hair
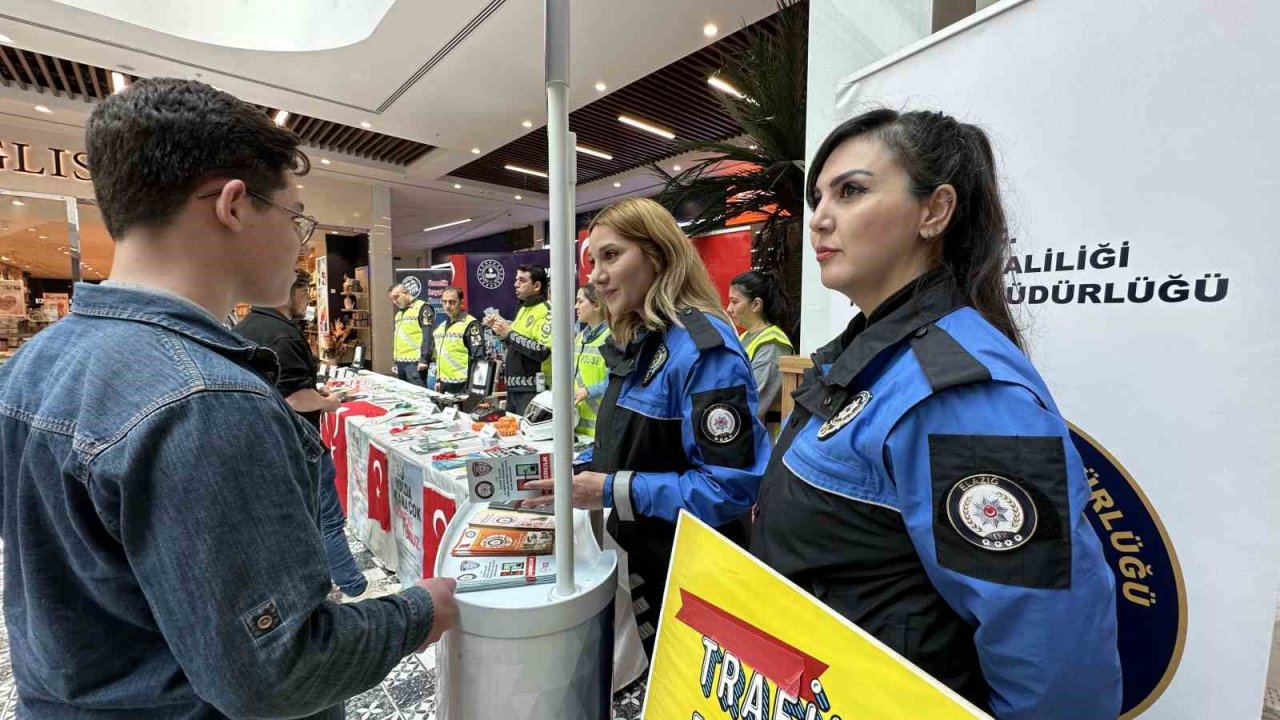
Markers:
point(301, 279)
point(537, 274)
point(454, 290)
point(152, 145)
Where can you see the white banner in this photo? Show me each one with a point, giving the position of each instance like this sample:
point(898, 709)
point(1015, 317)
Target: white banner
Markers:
point(1138, 161)
point(406, 517)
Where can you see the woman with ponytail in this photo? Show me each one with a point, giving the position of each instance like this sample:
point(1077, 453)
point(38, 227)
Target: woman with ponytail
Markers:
point(926, 486)
point(756, 306)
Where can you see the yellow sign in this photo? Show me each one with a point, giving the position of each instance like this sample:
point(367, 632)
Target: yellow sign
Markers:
point(737, 640)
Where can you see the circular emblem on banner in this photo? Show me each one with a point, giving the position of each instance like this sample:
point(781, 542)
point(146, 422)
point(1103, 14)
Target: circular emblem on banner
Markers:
point(412, 285)
point(992, 512)
point(721, 423)
point(846, 415)
point(484, 490)
point(504, 520)
point(1151, 598)
point(466, 576)
point(469, 565)
point(490, 274)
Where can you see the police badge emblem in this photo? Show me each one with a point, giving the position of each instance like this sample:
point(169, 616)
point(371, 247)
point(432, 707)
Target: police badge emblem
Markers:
point(991, 512)
point(659, 359)
point(721, 423)
point(846, 415)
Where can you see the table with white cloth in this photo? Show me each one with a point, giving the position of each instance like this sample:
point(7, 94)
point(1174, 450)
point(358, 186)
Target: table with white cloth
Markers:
point(398, 502)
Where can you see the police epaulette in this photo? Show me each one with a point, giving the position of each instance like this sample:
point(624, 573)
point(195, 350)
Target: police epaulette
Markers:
point(944, 361)
point(704, 334)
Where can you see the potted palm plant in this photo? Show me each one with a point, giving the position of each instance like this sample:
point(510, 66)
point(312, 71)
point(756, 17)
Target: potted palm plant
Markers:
point(761, 172)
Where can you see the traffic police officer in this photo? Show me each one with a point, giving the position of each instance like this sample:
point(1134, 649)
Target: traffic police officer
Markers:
point(412, 344)
point(528, 361)
point(591, 376)
point(458, 344)
point(926, 486)
point(677, 427)
point(755, 304)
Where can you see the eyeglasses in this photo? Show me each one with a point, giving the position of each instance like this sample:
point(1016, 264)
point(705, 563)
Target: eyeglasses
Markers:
point(304, 225)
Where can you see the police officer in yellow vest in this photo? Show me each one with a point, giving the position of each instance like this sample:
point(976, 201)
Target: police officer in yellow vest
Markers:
point(528, 361)
point(591, 375)
point(756, 305)
point(458, 344)
point(412, 346)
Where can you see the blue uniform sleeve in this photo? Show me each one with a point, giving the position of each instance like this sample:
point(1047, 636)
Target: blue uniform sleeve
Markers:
point(598, 390)
point(724, 441)
point(993, 496)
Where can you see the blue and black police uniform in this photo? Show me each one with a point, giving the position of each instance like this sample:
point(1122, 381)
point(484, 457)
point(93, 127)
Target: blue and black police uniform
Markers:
point(677, 430)
point(926, 488)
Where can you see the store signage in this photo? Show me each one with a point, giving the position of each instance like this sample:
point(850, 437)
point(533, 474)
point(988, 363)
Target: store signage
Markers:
point(773, 652)
point(27, 159)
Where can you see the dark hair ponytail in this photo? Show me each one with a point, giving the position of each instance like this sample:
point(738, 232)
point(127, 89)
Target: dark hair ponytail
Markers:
point(767, 288)
point(935, 149)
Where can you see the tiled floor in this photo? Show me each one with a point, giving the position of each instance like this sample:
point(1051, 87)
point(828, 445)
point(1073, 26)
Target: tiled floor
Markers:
point(408, 693)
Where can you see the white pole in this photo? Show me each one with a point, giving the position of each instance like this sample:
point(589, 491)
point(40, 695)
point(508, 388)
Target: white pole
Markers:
point(561, 185)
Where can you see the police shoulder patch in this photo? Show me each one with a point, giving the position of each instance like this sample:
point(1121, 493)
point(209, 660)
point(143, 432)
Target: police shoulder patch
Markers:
point(991, 512)
point(660, 357)
point(846, 415)
point(721, 423)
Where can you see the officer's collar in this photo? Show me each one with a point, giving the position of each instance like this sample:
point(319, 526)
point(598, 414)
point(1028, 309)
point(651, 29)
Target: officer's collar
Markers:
point(921, 302)
point(622, 360)
point(535, 300)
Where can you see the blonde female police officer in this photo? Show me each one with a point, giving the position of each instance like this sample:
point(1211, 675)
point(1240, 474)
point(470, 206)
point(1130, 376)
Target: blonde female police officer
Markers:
point(925, 486)
point(677, 427)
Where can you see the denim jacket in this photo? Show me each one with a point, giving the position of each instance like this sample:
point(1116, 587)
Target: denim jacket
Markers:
point(162, 558)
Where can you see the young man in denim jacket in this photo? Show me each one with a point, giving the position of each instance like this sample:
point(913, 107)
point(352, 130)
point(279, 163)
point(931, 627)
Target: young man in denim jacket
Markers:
point(162, 558)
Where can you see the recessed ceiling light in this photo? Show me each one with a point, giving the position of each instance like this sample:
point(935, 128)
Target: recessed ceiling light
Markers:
point(43, 237)
point(355, 214)
point(118, 83)
point(43, 109)
point(601, 87)
point(617, 184)
point(302, 187)
point(31, 229)
point(64, 252)
point(449, 224)
point(594, 153)
point(475, 151)
point(19, 203)
point(676, 168)
point(456, 186)
point(282, 117)
point(710, 30)
point(527, 123)
point(324, 161)
point(4, 258)
point(366, 124)
point(5, 39)
point(519, 197)
point(647, 127)
point(526, 171)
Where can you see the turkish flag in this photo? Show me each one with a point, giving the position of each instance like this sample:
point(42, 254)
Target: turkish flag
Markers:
point(379, 488)
point(437, 511)
point(333, 430)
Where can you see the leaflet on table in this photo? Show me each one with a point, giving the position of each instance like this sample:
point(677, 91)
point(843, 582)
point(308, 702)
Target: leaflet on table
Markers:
point(491, 517)
point(504, 541)
point(501, 473)
point(491, 574)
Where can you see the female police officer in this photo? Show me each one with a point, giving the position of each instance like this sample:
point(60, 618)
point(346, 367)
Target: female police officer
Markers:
point(590, 376)
point(756, 305)
point(677, 428)
point(925, 486)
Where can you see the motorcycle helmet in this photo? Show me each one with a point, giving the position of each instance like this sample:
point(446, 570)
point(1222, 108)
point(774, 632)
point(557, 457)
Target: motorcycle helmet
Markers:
point(537, 422)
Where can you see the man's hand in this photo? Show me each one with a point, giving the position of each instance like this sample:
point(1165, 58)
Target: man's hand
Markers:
point(501, 327)
point(423, 367)
point(330, 403)
point(580, 395)
point(588, 491)
point(445, 607)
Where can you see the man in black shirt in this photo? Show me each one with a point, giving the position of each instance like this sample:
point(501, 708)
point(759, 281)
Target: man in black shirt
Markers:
point(277, 329)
